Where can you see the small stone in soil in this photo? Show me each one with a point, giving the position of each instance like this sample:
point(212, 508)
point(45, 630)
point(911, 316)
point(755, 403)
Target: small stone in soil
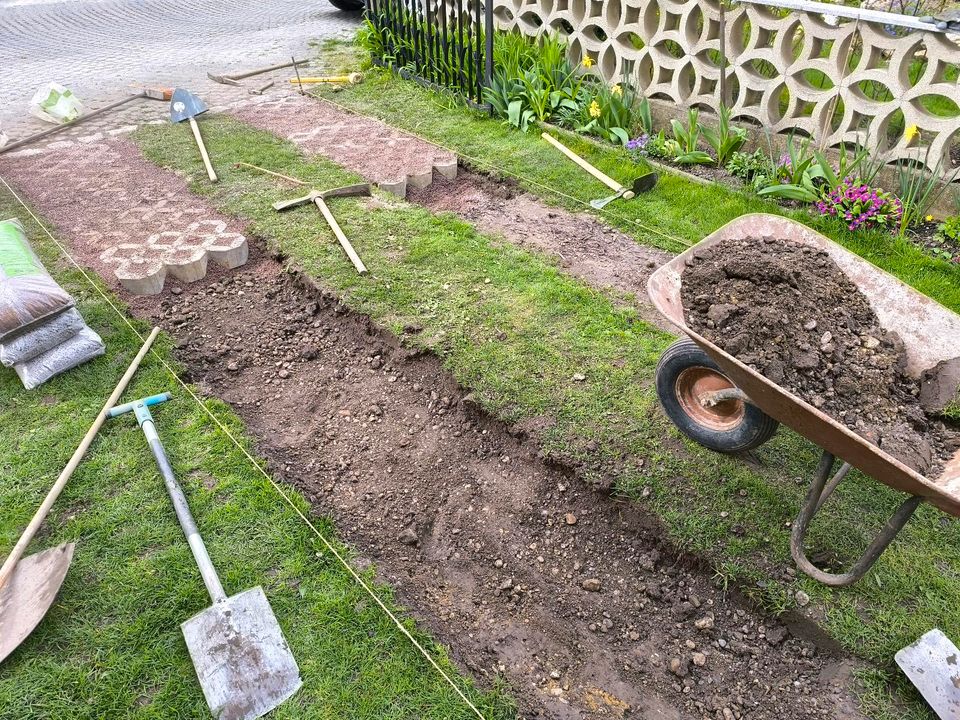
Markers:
point(591, 585)
point(570, 519)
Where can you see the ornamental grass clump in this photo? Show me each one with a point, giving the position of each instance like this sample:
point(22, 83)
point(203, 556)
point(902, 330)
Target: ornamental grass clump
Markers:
point(860, 206)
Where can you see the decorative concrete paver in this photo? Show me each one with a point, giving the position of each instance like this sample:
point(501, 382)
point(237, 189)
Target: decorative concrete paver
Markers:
point(124, 216)
point(383, 155)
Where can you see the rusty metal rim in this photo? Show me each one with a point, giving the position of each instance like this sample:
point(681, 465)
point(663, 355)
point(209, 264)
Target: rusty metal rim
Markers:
point(694, 384)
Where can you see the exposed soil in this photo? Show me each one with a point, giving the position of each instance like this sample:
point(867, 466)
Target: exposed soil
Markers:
point(515, 564)
point(596, 253)
point(788, 311)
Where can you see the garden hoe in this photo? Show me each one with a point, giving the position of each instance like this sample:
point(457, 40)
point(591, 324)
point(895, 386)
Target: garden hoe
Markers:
point(186, 106)
point(642, 184)
point(244, 665)
point(319, 198)
point(232, 79)
point(28, 585)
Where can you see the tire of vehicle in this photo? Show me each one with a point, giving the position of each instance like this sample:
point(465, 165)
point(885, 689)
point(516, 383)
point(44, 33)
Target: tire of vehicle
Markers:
point(684, 374)
point(348, 5)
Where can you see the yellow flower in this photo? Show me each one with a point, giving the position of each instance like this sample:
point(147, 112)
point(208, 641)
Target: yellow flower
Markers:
point(929, 218)
point(588, 62)
point(910, 133)
point(594, 109)
point(617, 90)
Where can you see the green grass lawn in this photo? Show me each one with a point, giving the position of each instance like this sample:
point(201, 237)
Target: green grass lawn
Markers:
point(111, 645)
point(513, 327)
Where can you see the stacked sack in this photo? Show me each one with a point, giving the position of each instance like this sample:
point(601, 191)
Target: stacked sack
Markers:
point(41, 333)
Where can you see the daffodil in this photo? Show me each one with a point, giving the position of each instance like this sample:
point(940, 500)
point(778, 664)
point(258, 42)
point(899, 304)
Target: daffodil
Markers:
point(617, 90)
point(910, 133)
point(594, 109)
point(588, 62)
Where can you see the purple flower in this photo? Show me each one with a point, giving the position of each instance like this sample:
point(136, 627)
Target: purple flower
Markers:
point(638, 143)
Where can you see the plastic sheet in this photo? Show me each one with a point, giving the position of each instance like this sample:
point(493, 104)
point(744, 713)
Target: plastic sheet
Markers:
point(28, 295)
point(83, 346)
point(47, 336)
point(55, 103)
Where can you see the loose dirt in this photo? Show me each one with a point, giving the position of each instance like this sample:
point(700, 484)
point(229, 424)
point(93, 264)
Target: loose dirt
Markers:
point(786, 310)
point(515, 564)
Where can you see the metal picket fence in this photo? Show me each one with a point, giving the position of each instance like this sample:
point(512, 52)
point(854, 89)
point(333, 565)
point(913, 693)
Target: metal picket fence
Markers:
point(445, 43)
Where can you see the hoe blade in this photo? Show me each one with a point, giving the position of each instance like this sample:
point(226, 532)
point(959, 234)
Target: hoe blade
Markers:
point(29, 593)
point(243, 663)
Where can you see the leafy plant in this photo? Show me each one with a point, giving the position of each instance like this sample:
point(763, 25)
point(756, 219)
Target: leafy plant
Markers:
point(726, 139)
point(755, 169)
point(795, 173)
point(611, 113)
point(920, 189)
point(860, 206)
point(949, 229)
point(656, 146)
point(682, 148)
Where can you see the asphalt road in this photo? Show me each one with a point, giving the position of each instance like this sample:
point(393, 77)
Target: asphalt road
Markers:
point(98, 47)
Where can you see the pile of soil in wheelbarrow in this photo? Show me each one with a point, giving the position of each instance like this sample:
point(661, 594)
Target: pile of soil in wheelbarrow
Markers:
point(789, 312)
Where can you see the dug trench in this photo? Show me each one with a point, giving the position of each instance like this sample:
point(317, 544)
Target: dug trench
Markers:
point(521, 569)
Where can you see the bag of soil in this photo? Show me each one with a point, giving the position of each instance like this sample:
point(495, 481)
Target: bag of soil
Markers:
point(83, 346)
point(37, 341)
point(28, 295)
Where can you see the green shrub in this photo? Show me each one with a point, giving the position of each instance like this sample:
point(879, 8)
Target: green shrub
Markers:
point(726, 139)
point(949, 229)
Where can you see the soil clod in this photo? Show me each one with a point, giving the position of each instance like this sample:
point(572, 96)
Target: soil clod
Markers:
point(789, 312)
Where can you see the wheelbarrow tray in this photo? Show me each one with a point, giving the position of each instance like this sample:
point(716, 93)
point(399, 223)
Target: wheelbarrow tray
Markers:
point(930, 333)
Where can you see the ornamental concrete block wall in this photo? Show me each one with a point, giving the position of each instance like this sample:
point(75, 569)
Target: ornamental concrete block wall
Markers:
point(836, 79)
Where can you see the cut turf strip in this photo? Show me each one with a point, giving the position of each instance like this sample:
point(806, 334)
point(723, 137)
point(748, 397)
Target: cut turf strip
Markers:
point(133, 222)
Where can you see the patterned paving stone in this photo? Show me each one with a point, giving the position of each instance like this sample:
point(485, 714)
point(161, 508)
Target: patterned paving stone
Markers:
point(124, 216)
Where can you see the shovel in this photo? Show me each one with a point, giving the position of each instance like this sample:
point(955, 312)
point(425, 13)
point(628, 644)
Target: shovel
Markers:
point(244, 665)
point(28, 585)
point(642, 184)
point(186, 106)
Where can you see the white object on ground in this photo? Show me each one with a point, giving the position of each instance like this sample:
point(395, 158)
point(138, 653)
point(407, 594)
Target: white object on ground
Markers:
point(56, 104)
point(83, 346)
point(931, 663)
point(47, 336)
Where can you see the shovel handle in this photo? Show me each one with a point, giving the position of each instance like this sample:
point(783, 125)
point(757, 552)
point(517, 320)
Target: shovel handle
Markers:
point(602, 177)
point(344, 243)
point(203, 150)
point(14, 557)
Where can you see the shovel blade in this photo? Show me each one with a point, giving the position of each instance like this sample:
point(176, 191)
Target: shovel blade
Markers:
point(185, 105)
point(933, 665)
point(29, 593)
point(244, 665)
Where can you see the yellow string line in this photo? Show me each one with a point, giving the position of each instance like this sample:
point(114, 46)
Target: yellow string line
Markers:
point(329, 546)
point(516, 176)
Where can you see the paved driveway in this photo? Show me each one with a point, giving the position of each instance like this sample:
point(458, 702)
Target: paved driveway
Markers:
point(98, 47)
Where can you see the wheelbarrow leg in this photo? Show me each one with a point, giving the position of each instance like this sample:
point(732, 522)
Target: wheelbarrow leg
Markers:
point(819, 491)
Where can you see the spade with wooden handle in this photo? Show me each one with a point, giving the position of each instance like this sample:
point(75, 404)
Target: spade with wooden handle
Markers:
point(28, 585)
point(641, 184)
point(186, 106)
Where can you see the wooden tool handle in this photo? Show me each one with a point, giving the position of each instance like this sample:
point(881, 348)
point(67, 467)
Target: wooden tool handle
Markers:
point(602, 177)
point(78, 454)
point(260, 71)
point(344, 243)
point(203, 150)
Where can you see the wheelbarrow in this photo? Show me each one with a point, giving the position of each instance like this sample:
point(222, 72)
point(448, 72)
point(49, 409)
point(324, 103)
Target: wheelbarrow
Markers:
point(726, 406)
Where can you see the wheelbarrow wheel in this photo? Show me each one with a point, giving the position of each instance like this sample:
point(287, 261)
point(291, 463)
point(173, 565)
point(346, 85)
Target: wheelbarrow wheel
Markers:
point(348, 5)
point(686, 378)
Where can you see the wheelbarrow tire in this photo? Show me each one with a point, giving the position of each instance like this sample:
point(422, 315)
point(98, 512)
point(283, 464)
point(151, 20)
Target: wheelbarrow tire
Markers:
point(732, 426)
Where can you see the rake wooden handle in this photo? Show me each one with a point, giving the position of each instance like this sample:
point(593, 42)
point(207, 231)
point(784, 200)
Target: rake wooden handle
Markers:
point(14, 557)
point(344, 243)
point(203, 150)
point(602, 177)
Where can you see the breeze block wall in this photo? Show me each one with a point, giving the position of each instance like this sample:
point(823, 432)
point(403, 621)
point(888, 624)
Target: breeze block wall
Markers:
point(833, 78)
